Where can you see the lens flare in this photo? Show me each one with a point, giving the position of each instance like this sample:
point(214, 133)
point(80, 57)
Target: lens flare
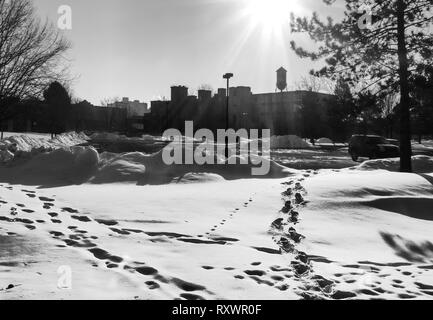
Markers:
point(271, 14)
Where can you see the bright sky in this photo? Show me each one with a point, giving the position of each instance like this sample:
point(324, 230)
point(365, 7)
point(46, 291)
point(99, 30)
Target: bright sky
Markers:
point(139, 48)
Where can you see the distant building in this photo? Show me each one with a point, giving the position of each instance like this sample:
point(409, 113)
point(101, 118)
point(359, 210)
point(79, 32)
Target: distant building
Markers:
point(34, 116)
point(278, 111)
point(204, 95)
point(134, 108)
point(179, 93)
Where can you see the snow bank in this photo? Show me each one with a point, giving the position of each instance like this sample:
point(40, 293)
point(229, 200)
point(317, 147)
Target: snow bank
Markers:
point(373, 230)
point(61, 166)
point(289, 142)
point(27, 143)
point(421, 164)
point(200, 177)
point(27, 146)
point(83, 164)
point(428, 143)
point(151, 169)
point(127, 167)
point(115, 143)
point(6, 156)
point(105, 137)
point(324, 141)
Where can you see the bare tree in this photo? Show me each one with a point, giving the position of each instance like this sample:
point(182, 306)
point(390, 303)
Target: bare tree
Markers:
point(389, 104)
point(315, 84)
point(31, 53)
point(205, 87)
point(383, 54)
point(108, 101)
point(109, 112)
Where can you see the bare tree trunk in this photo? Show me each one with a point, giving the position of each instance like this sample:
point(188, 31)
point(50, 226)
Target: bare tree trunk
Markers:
point(405, 129)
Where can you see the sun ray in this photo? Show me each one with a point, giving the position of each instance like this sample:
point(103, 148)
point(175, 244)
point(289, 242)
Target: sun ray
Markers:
point(271, 14)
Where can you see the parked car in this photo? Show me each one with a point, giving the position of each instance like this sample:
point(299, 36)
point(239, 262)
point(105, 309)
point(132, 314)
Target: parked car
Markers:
point(373, 147)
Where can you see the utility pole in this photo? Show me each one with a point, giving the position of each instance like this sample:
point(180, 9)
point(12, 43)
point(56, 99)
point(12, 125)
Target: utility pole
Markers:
point(227, 76)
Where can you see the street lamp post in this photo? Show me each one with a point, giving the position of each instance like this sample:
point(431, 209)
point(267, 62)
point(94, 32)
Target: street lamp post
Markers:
point(227, 76)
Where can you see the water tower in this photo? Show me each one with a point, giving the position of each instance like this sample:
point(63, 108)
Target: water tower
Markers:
point(282, 79)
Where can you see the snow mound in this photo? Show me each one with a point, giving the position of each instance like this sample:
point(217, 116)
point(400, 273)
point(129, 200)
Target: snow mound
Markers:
point(29, 143)
point(325, 141)
point(78, 165)
point(115, 143)
point(151, 169)
point(289, 142)
point(128, 167)
point(200, 178)
point(421, 164)
point(105, 137)
point(6, 156)
point(62, 166)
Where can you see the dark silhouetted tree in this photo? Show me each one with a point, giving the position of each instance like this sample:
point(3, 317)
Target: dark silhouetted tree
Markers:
point(30, 54)
point(380, 57)
point(81, 112)
point(368, 113)
point(341, 112)
point(59, 101)
point(422, 96)
point(389, 103)
point(313, 120)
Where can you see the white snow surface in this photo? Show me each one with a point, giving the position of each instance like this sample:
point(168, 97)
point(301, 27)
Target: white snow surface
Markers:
point(368, 234)
point(26, 146)
point(130, 227)
point(324, 141)
point(420, 164)
point(84, 164)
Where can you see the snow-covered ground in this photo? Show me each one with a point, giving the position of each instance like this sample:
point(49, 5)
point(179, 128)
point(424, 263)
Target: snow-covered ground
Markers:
point(314, 158)
point(25, 146)
point(30, 141)
point(356, 233)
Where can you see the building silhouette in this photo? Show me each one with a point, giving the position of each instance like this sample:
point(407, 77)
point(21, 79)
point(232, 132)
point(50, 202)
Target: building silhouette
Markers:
point(133, 108)
point(280, 112)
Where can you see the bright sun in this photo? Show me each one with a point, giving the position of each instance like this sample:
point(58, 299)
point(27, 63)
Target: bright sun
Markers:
point(271, 13)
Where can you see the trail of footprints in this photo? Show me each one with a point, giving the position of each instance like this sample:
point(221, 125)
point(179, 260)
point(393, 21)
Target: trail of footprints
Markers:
point(311, 285)
point(287, 238)
point(231, 216)
point(317, 287)
point(81, 239)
